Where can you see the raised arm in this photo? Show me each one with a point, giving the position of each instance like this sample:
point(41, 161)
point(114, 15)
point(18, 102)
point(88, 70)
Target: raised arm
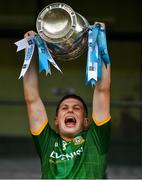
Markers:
point(35, 107)
point(101, 97)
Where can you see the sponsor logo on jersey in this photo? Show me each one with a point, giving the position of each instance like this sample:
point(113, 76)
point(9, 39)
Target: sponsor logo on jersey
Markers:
point(56, 156)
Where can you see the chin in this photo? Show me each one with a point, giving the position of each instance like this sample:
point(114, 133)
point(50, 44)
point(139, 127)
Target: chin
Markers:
point(71, 133)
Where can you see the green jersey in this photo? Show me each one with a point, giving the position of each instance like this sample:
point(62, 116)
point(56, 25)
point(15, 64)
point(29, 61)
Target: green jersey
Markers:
point(82, 158)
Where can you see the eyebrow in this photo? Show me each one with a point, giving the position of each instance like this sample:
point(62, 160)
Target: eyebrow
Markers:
point(68, 105)
point(63, 105)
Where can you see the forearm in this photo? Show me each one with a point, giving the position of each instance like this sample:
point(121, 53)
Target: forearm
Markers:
point(104, 84)
point(101, 96)
point(30, 82)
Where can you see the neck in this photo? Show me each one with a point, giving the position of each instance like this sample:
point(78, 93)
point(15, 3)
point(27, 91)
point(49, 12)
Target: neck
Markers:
point(67, 138)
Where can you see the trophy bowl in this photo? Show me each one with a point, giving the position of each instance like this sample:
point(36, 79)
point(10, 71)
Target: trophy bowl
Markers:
point(64, 31)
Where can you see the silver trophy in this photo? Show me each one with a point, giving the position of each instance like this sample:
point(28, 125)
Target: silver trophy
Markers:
point(64, 31)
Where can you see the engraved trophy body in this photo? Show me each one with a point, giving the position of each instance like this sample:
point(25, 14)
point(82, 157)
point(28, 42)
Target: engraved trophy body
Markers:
point(64, 31)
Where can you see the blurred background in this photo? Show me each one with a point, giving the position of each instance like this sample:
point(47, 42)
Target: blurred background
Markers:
point(18, 158)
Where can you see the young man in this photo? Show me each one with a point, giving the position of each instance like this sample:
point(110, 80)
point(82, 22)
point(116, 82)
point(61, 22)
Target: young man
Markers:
point(78, 148)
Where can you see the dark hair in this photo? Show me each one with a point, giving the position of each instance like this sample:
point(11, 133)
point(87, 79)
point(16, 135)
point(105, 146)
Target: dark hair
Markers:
point(74, 96)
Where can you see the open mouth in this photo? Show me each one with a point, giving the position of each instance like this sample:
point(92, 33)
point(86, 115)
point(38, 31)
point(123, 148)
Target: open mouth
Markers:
point(70, 121)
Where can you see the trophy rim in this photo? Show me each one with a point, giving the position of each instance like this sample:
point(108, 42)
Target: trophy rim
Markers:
point(50, 7)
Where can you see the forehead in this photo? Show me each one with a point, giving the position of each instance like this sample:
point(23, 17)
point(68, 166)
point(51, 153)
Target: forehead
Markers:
point(71, 101)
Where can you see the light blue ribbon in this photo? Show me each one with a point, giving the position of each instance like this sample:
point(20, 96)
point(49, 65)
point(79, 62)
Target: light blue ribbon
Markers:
point(97, 52)
point(102, 44)
point(43, 55)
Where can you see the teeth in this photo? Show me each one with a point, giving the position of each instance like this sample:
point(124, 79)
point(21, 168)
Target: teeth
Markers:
point(71, 119)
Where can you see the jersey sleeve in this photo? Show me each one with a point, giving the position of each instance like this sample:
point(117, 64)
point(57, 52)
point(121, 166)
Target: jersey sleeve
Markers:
point(101, 136)
point(44, 140)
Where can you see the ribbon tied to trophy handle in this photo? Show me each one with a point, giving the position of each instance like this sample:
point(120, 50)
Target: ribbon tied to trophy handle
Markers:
point(97, 52)
point(29, 43)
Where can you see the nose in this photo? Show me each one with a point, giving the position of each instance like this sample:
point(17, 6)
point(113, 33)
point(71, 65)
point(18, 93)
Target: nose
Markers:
point(70, 110)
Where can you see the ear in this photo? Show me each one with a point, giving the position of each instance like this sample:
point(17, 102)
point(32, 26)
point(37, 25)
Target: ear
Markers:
point(86, 122)
point(56, 121)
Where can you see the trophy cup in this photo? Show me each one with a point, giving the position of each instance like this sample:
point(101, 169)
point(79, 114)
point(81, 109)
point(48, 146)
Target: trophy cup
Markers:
point(65, 34)
point(63, 30)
